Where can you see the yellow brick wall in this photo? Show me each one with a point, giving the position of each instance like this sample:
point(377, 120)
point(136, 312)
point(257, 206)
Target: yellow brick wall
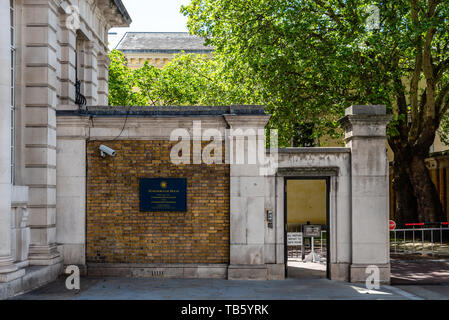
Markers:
point(117, 232)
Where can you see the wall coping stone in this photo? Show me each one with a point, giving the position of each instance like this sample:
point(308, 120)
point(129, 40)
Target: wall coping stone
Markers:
point(366, 110)
point(163, 111)
point(314, 150)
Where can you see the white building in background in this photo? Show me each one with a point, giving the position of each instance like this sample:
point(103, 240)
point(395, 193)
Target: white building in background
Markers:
point(53, 56)
point(159, 48)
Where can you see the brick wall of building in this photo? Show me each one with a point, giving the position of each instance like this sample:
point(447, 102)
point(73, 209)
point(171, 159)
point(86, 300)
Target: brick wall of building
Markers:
point(117, 232)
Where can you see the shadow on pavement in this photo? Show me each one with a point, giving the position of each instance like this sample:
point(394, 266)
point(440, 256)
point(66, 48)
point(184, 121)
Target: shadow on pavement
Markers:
point(306, 270)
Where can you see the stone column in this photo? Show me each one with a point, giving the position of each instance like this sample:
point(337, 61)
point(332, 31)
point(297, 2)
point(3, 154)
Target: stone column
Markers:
point(366, 136)
point(91, 74)
point(8, 271)
point(103, 77)
point(247, 220)
point(41, 23)
point(67, 39)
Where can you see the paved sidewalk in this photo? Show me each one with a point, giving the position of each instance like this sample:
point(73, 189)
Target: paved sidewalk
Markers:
point(205, 289)
point(427, 292)
point(410, 280)
point(420, 272)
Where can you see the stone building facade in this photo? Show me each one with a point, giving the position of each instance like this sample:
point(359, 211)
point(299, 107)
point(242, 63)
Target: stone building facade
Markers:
point(47, 48)
point(159, 48)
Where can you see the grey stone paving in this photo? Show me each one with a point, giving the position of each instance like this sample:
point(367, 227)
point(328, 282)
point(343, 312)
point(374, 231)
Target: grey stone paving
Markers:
point(428, 292)
point(308, 282)
point(205, 289)
point(420, 272)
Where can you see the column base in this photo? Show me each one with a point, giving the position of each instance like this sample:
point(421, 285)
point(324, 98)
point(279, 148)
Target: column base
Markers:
point(22, 264)
point(10, 276)
point(44, 255)
point(276, 271)
point(33, 278)
point(9, 271)
point(247, 272)
point(7, 265)
point(358, 273)
point(339, 271)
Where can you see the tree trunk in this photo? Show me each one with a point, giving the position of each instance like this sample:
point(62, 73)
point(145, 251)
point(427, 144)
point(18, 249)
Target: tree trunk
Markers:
point(429, 204)
point(405, 201)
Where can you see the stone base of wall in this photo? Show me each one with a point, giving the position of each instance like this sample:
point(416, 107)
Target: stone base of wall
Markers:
point(257, 272)
point(358, 273)
point(187, 271)
point(247, 272)
point(275, 271)
point(173, 271)
point(339, 271)
point(34, 277)
point(10, 276)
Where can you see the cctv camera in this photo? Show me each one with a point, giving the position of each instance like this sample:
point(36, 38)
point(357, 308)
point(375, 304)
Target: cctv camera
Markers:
point(104, 150)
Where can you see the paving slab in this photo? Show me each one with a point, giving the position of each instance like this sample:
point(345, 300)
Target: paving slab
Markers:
point(422, 272)
point(213, 289)
point(429, 292)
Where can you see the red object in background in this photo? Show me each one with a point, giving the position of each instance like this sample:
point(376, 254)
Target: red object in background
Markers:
point(414, 224)
point(392, 225)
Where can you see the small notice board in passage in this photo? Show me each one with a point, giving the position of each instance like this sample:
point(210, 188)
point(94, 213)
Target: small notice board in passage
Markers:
point(294, 238)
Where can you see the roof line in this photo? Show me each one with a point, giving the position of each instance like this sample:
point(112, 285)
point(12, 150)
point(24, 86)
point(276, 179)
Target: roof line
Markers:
point(123, 37)
point(165, 111)
point(185, 32)
point(121, 7)
point(129, 32)
point(204, 51)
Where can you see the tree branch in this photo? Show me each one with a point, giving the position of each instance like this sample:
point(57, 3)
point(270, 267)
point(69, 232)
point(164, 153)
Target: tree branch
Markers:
point(441, 69)
point(440, 106)
point(414, 82)
point(329, 11)
point(428, 125)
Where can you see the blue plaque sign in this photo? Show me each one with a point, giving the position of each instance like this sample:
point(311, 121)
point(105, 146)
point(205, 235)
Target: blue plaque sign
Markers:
point(161, 194)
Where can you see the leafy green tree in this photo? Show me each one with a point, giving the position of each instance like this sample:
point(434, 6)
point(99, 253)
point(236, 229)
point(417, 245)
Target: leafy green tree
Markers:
point(186, 80)
point(145, 79)
point(189, 79)
point(121, 82)
point(444, 130)
point(314, 58)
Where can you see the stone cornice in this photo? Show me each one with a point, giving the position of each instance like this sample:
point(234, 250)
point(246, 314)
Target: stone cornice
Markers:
point(365, 114)
point(247, 121)
point(154, 123)
point(73, 127)
point(115, 12)
point(132, 128)
point(308, 171)
point(315, 150)
point(349, 120)
point(168, 111)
